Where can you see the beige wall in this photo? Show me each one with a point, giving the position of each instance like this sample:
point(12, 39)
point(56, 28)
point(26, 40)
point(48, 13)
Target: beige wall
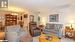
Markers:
point(66, 16)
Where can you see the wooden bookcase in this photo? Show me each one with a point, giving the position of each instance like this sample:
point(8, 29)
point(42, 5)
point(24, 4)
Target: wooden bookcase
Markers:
point(10, 19)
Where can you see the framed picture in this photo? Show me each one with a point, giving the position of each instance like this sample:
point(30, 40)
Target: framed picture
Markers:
point(20, 18)
point(25, 15)
point(39, 18)
point(54, 18)
point(31, 17)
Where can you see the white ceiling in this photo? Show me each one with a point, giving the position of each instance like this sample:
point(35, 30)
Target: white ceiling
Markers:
point(40, 5)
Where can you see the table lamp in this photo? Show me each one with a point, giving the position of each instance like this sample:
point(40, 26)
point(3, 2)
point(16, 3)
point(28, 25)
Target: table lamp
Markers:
point(71, 22)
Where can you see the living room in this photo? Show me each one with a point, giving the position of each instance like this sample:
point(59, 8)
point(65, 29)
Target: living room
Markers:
point(37, 21)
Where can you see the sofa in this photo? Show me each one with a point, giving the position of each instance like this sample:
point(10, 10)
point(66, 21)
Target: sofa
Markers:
point(54, 29)
point(16, 34)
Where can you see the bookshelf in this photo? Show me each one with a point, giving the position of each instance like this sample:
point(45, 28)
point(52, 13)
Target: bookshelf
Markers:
point(10, 19)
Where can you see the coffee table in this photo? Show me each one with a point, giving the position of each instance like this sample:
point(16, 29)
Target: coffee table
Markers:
point(45, 38)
